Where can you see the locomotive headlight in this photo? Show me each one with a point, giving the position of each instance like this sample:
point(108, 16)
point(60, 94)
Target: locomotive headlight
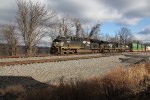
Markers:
point(61, 43)
point(56, 43)
point(84, 42)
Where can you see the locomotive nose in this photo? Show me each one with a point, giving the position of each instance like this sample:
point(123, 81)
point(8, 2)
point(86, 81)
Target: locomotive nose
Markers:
point(53, 50)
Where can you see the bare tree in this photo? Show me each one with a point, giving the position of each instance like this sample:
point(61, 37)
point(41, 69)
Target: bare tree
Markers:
point(8, 32)
point(1, 38)
point(69, 25)
point(32, 18)
point(66, 26)
point(107, 37)
point(53, 33)
point(79, 29)
point(124, 35)
point(116, 38)
point(94, 31)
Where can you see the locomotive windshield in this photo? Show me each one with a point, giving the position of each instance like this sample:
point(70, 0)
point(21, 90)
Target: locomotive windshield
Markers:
point(57, 40)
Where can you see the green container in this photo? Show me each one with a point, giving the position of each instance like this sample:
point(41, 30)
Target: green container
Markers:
point(134, 47)
point(143, 47)
point(139, 47)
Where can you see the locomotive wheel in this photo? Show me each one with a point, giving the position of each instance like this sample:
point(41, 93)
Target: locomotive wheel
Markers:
point(74, 51)
point(93, 51)
point(102, 50)
point(62, 53)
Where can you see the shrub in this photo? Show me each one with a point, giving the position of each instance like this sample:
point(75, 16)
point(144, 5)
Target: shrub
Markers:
point(38, 94)
point(13, 89)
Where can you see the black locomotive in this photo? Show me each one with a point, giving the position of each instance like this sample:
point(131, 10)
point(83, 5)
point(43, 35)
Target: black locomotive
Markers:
point(74, 45)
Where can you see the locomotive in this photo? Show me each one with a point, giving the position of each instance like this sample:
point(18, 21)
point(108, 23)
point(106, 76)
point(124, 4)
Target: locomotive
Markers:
point(74, 45)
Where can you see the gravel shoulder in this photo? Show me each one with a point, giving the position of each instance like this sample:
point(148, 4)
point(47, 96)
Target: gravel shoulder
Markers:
point(53, 71)
point(46, 57)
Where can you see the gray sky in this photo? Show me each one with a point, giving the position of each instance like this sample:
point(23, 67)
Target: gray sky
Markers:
point(122, 12)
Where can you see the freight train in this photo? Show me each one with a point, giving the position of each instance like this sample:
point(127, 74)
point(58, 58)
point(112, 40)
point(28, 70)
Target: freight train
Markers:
point(74, 45)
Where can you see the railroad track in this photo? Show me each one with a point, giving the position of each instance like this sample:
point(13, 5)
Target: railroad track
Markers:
point(25, 62)
point(22, 56)
point(49, 55)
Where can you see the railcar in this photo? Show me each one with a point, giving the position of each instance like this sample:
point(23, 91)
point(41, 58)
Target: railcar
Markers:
point(137, 47)
point(113, 47)
point(147, 47)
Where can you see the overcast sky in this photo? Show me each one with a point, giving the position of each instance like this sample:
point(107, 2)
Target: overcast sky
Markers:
point(111, 13)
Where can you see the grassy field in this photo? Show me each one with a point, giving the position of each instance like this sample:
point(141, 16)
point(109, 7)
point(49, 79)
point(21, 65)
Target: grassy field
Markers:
point(132, 83)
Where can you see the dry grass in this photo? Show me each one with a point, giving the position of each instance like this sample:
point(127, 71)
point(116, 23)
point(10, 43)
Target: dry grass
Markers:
point(37, 94)
point(147, 66)
point(14, 89)
point(121, 83)
point(118, 84)
point(11, 92)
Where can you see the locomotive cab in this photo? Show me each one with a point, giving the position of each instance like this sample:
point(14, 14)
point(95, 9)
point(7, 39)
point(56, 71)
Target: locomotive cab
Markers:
point(57, 44)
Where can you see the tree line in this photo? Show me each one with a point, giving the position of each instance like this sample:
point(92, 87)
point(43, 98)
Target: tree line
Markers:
point(34, 21)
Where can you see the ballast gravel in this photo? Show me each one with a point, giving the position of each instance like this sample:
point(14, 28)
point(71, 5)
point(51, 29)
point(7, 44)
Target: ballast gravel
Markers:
point(46, 57)
point(53, 71)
